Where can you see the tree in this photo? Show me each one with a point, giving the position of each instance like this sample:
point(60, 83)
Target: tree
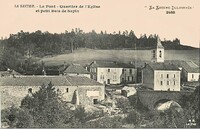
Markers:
point(46, 108)
point(195, 104)
point(16, 118)
point(123, 104)
point(134, 117)
point(169, 119)
point(80, 114)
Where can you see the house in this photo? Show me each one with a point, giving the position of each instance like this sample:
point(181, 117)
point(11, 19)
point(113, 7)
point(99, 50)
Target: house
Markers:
point(128, 91)
point(161, 77)
point(112, 72)
point(9, 73)
point(189, 70)
point(76, 70)
point(72, 89)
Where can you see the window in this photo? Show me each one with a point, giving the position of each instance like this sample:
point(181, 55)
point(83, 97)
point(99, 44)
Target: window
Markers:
point(128, 79)
point(108, 81)
point(160, 54)
point(161, 83)
point(174, 83)
point(174, 75)
point(123, 71)
point(108, 70)
point(192, 75)
point(67, 90)
point(130, 71)
point(123, 80)
point(95, 101)
point(154, 53)
point(30, 90)
point(161, 75)
point(167, 75)
point(167, 82)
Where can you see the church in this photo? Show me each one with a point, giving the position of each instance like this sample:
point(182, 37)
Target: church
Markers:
point(158, 75)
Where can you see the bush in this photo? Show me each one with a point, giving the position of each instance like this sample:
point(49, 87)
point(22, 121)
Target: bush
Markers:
point(16, 118)
point(106, 122)
point(123, 104)
point(133, 117)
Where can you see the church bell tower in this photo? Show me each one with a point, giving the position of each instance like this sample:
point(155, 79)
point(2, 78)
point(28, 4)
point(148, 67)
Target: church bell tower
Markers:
point(158, 52)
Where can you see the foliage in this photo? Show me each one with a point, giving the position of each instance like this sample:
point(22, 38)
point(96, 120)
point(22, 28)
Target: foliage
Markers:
point(123, 104)
point(44, 43)
point(16, 118)
point(80, 114)
point(134, 117)
point(106, 122)
point(46, 108)
point(169, 119)
point(94, 115)
point(19, 48)
point(133, 100)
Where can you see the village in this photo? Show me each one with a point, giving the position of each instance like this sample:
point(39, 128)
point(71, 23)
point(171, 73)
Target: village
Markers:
point(98, 85)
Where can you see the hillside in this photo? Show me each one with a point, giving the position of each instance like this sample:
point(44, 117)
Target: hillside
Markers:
point(22, 50)
point(84, 56)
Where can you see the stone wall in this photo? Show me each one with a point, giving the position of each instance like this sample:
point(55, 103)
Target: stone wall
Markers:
point(150, 98)
point(12, 95)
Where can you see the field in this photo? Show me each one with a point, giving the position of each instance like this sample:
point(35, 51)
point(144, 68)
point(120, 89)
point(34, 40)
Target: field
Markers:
point(84, 56)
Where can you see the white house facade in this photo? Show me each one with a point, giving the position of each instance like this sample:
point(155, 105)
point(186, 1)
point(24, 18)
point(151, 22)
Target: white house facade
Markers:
point(161, 77)
point(113, 72)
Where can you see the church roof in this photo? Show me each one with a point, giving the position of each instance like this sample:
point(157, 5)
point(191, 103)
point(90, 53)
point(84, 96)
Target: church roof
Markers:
point(159, 44)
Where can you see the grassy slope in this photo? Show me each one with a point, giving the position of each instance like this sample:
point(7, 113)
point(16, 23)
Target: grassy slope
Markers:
point(84, 56)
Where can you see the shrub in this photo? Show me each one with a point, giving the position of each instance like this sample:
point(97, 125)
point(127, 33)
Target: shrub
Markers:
point(133, 117)
point(16, 118)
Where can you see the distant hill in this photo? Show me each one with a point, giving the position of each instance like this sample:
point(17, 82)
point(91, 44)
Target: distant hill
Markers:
point(17, 50)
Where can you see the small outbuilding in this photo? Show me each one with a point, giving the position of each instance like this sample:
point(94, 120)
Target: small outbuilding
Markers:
point(128, 91)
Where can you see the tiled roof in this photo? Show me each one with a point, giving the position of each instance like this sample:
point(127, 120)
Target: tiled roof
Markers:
point(189, 66)
point(81, 81)
point(76, 68)
point(163, 66)
point(39, 80)
point(159, 44)
point(110, 64)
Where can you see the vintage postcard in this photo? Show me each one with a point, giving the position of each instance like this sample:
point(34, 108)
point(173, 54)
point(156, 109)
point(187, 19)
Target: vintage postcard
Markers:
point(99, 64)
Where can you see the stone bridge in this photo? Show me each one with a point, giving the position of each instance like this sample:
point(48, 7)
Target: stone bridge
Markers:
point(151, 98)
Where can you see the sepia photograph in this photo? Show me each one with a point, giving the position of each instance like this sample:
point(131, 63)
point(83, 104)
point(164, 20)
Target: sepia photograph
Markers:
point(99, 64)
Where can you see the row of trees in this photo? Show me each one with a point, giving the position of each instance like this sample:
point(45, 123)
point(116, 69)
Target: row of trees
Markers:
point(44, 43)
point(21, 50)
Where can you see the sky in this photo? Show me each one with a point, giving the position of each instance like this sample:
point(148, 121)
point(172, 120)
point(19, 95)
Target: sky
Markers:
point(113, 15)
